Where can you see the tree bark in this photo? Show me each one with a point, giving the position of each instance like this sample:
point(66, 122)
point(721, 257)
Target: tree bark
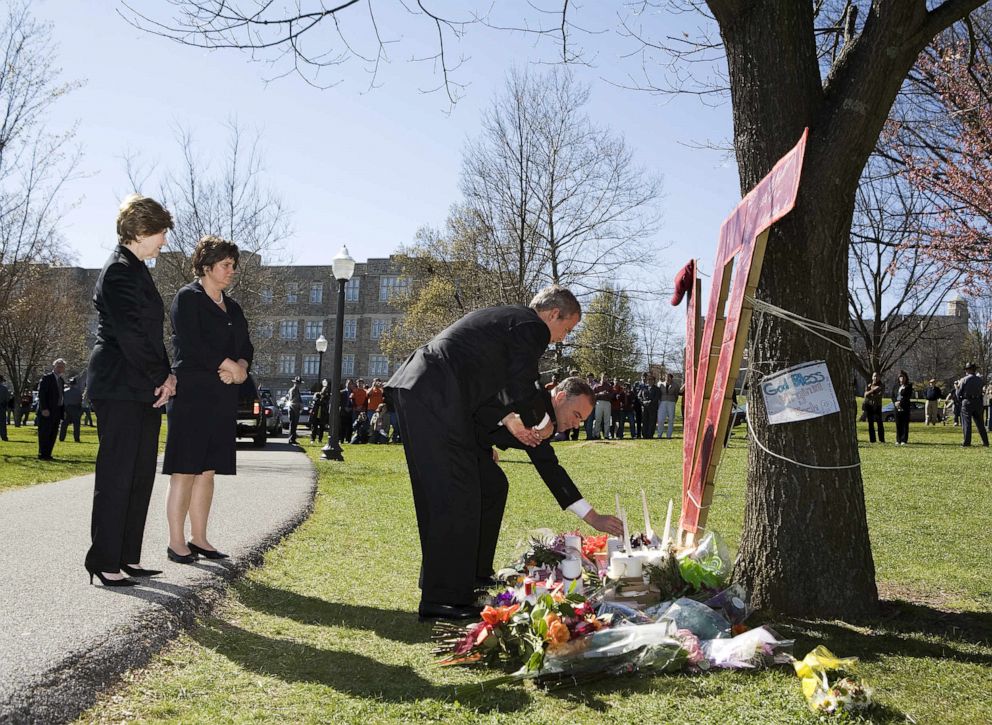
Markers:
point(805, 548)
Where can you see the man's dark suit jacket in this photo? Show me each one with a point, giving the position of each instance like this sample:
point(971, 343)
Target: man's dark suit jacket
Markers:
point(50, 395)
point(128, 360)
point(488, 353)
point(542, 456)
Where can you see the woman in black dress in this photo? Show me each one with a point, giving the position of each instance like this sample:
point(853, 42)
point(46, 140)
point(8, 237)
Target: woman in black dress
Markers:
point(903, 400)
point(212, 354)
point(128, 382)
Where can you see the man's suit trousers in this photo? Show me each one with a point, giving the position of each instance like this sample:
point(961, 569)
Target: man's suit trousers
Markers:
point(48, 432)
point(442, 457)
point(125, 472)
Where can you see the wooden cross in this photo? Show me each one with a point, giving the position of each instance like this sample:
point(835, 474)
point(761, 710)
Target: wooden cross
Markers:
point(713, 352)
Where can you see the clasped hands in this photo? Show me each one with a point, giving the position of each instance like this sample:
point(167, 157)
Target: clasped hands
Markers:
point(231, 372)
point(528, 436)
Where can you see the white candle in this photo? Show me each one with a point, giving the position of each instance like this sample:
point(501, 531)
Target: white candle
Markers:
point(618, 564)
point(633, 566)
point(571, 569)
point(668, 525)
point(573, 545)
point(626, 534)
point(648, 531)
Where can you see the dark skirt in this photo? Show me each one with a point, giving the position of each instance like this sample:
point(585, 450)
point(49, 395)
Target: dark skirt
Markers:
point(202, 426)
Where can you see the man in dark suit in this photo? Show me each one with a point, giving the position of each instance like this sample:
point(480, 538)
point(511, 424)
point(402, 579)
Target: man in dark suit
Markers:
point(489, 353)
point(5, 400)
point(559, 410)
point(50, 409)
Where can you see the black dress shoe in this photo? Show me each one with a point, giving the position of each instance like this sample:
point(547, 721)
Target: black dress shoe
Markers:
point(206, 553)
point(138, 571)
point(485, 582)
point(181, 558)
point(429, 610)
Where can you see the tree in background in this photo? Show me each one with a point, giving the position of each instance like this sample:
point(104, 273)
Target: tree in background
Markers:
point(951, 161)
point(896, 289)
point(978, 345)
point(560, 200)
point(607, 339)
point(35, 163)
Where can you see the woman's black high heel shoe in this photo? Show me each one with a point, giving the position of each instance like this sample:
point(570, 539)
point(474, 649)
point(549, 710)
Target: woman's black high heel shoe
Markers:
point(110, 582)
point(180, 558)
point(207, 553)
point(138, 571)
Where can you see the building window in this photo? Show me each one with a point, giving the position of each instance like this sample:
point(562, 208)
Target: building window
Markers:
point(378, 365)
point(289, 329)
point(316, 293)
point(287, 364)
point(313, 329)
point(267, 296)
point(311, 364)
point(390, 285)
point(351, 329)
point(351, 290)
point(379, 327)
point(265, 330)
point(347, 364)
point(292, 293)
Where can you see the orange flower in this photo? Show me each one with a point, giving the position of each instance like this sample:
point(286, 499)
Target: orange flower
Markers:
point(558, 634)
point(498, 615)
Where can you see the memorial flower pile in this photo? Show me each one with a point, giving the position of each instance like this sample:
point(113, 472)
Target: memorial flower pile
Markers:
point(561, 620)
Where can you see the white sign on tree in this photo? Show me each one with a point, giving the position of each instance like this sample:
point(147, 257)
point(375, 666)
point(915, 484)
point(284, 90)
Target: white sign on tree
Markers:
point(799, 393)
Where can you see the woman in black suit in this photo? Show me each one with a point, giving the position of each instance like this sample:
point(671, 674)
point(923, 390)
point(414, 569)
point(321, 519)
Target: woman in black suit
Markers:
point(212, 354)
point(903, 400)
point(129, 380)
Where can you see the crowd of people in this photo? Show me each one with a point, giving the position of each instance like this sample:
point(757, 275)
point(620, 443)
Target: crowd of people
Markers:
point(643, 408)
point(968, 403)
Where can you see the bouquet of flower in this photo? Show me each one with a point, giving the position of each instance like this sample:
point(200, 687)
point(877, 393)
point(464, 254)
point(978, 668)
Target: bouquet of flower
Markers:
point(520, 632)
point(847, 694)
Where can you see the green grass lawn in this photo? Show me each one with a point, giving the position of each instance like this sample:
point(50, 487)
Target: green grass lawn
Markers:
point(326, 630)
point(19, 464)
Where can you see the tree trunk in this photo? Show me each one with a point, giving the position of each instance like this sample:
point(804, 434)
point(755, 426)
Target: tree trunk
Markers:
point(805, 547)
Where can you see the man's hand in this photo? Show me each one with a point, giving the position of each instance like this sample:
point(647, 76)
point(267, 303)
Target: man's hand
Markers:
point(226, 376)
point(527, 436)
point(495, 456)
point(164, 391)
point(547, 431)
point(605, 523)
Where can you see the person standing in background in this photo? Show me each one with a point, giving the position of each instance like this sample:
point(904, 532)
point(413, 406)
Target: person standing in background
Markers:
point(971, 387)
point(650, 396)
point(933, 394)
point(72, 398)
point(5, 400)
point(50, 409)
point(669, 394)
point(872, 407)
point(295, 406)
point(902, 398)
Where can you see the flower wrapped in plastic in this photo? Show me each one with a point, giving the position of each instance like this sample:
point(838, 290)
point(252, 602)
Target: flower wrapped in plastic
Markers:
point(847, 694)
point(708, 565)
point(759, 647)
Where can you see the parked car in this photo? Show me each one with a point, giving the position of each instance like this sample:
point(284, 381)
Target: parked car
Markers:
point(917, 414)
point(306, 400)
point(251, 414)
point(273, 413)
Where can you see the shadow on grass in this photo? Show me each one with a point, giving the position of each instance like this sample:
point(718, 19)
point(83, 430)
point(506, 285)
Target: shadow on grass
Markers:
point(905, 629)
point(397, 625)
point(346, 672)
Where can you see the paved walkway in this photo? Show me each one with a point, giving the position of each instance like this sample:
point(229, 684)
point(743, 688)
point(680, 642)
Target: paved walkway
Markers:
point(62, 640)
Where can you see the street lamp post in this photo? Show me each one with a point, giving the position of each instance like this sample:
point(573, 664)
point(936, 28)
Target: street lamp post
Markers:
point(344, 267)
point(321, 346)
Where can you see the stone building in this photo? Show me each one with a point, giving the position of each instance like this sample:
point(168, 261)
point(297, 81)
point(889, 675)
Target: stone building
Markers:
point(301, 307)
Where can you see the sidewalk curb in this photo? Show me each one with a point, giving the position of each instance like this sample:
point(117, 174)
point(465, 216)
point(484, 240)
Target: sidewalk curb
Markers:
point(64, 692)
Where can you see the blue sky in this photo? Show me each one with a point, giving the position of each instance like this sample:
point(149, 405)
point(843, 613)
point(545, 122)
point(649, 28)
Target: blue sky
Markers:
point(360, 168)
